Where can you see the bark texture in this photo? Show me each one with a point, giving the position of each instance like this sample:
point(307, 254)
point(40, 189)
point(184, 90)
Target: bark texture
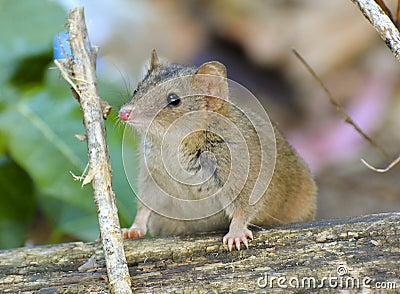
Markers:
point(382, 23)
point(358, 254)
point(80, 72)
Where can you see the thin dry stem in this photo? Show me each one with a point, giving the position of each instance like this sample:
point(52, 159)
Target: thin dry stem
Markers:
point(398, 14)
point(338, 106)
point(382, 170)
point(61, 65)
point(382, 23)
point(80, 73)
point(385, 9)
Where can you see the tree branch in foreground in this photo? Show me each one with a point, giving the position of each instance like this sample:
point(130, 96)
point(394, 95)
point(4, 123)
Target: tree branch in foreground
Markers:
point(80, 72)
point(382, 23)
point(381, 19)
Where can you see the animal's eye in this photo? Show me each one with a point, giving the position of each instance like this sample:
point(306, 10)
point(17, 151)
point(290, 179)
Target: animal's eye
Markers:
point(136, 91)
point(173, 100)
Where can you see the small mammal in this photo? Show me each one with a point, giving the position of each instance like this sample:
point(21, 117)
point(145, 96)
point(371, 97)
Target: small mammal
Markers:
point(291, 194)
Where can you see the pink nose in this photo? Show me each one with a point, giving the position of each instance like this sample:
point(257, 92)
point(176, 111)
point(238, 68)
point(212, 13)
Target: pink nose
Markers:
point(124, 115)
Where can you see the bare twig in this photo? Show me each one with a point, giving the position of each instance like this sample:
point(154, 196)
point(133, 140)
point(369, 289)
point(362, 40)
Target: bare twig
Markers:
point(338, 106)
point(398, 14)
point(81, 75)
point(382, 24)
point(385, 9)
point(381, 19)
point(382, 170)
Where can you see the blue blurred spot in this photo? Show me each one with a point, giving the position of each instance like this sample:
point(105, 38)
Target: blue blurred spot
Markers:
point(61, 45)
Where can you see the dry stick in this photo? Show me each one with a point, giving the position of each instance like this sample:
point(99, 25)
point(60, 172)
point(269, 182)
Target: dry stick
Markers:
point(83, 81)
point(382, 24)
point(398, 14)
point(338, 106)
point(385, 9)
point(382, 170)
point(387, 31)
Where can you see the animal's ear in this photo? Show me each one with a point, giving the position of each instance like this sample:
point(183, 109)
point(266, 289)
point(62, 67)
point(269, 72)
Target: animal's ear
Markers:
point(211, 80)
point(154, 61)
point(214, 68)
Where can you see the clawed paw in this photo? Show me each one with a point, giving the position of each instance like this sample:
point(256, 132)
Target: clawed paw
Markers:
point(237, 237)
point(133, 233)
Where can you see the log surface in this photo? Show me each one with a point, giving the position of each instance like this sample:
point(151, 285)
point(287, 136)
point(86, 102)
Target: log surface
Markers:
point(364, 249)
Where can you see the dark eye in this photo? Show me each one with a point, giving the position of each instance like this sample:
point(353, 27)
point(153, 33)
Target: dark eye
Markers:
point(173, 100)
point(136, 91)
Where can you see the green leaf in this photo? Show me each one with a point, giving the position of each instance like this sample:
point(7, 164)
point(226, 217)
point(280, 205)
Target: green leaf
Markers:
point(27, 28)
point(12, 233)
point(2, 144)
point(17, 203)
point(39, 128)
point(69, 219)
point(38, 121)
point(126, 199)
point(31, 70)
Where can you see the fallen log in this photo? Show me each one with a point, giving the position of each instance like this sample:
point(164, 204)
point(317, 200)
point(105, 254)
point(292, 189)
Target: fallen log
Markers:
point(356, 254)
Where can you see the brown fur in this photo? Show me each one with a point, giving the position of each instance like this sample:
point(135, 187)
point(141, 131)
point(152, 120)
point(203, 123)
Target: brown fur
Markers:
point(291, 195)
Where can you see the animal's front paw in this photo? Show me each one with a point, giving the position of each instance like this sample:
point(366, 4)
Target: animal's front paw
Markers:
point(236, 237)
point(133, 232)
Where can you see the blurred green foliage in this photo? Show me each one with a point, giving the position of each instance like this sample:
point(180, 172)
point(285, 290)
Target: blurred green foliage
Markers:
point(38, 121)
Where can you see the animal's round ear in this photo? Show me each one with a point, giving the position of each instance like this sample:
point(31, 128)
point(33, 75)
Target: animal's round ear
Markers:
point(214, 68)
point(210, 80)
point(154, 61)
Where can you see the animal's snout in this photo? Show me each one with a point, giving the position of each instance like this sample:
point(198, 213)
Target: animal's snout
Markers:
point(124, 115)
